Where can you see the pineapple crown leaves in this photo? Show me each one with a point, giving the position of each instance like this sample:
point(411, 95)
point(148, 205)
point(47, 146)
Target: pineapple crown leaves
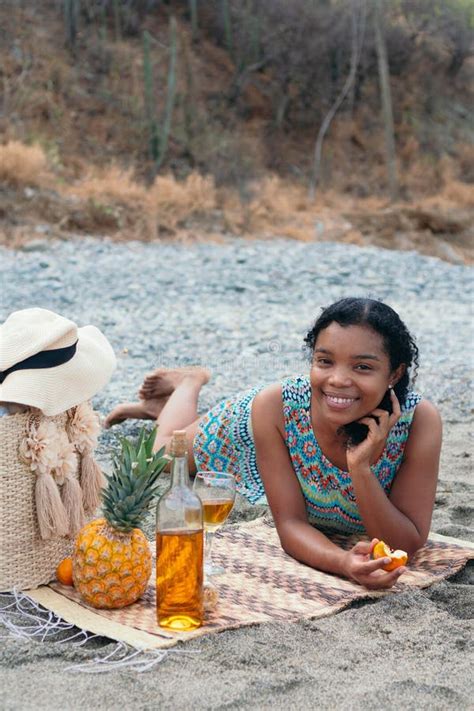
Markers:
point(133, 482)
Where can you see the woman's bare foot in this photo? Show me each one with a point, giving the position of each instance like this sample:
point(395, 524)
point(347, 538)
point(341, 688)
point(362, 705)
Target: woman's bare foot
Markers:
point(142, 410)
point(154, 393)
point(163, 381)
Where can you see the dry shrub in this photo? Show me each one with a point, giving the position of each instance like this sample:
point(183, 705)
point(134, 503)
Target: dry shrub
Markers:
point(93, 217)
point(233, 211)
point(299, 231)
point(22, 165)
point(112, 183)
point(459, 193)
point(275, 202)
point(465, 158)
point(454, 192)
point(171, 202)
point(165, 205)
point(283, 209)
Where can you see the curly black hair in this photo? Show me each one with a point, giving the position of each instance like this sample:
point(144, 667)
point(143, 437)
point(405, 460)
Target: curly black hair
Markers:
point(398, 342)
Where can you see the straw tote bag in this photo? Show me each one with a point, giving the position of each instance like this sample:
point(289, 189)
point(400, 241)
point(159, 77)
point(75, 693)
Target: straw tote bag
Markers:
point(49, 487)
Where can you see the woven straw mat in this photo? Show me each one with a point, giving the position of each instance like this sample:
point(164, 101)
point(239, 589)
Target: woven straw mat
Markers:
point(25, 559)
point(262, 584)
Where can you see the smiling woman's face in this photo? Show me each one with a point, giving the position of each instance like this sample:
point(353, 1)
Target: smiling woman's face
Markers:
point(350, 373)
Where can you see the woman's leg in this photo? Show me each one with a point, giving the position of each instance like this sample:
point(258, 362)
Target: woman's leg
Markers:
point(142, 410)
point(180, 411)
point(173, 402)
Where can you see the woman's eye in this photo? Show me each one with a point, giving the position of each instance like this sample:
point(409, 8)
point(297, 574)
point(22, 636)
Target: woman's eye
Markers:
point(363, 366)
point(323, 361)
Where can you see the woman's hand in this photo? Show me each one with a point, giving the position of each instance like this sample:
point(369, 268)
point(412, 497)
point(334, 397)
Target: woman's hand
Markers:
point(367, 572)
point(379, 422)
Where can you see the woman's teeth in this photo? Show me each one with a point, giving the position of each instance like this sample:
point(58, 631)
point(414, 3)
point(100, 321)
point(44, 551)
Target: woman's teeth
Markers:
point(340, 401)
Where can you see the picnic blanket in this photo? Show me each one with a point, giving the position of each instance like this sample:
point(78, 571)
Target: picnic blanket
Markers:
point(261, 584)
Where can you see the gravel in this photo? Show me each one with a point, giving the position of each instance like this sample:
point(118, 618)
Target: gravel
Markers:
point(241, 308)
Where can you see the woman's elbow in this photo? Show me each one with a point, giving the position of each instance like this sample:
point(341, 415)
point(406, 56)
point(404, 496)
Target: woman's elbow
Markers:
point(286, 534)
point(415, 543)
point(410, 542)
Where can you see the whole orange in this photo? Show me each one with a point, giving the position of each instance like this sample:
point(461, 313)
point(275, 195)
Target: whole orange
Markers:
point(64, 572)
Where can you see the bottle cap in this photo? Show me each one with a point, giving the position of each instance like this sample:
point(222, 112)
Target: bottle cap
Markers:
point(179, 444)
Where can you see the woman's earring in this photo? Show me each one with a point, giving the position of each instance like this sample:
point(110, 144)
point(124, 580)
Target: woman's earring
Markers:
point(390, 387)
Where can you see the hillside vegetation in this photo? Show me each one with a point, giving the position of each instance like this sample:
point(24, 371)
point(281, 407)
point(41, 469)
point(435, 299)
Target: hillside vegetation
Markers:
point(149, 120)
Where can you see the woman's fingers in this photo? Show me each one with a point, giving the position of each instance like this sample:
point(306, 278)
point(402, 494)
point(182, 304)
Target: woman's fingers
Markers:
point(364, 547)
point(371, 422)
point(371, 566)
point(379, 421)
point(380, 413)
point(384, 580)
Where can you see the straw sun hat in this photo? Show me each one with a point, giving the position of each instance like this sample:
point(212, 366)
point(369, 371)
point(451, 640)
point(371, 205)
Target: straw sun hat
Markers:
point(47, 362)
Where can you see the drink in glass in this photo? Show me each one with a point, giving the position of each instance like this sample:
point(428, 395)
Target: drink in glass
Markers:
point(217, 493)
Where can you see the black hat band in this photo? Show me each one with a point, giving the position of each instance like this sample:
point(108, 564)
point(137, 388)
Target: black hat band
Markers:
point(44, 359)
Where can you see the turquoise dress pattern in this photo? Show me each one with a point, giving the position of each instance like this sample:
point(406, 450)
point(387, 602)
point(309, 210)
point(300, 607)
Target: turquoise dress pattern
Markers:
point(224, 442)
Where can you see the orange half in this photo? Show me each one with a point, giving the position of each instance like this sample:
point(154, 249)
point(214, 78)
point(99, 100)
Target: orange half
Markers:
point(397, 558)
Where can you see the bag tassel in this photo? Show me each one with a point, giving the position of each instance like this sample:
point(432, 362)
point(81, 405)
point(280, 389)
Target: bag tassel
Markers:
point(50, 511)
point(92, 482)
point(72, 500)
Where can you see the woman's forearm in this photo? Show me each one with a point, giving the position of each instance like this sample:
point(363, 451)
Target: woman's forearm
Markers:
point(380, 517)
point(308, 545)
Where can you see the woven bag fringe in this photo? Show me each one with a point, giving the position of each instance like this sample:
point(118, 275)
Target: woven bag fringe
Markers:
point(92, 482)
point(41, 509)
point(74, 508)
point(50, 511)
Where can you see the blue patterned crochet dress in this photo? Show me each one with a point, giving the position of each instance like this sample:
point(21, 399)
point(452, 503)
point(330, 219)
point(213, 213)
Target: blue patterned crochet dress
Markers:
point(224, 442)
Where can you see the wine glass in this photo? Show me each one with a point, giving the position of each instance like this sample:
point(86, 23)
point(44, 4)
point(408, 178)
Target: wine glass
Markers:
point(217, 493)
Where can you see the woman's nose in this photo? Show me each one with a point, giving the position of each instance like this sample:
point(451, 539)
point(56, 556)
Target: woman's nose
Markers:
point(340, 377)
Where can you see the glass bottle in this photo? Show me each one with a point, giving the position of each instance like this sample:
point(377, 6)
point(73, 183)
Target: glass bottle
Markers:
point(179, 547)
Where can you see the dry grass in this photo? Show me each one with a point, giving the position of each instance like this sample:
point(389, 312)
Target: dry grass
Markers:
point(266, 203)
point(113, 201)
point(111, 183)
point(458, 193)
point(22, 165)
point(274, 204)
point(170, 202)
point(453, 191)
point(165, 205)
point(276, 199)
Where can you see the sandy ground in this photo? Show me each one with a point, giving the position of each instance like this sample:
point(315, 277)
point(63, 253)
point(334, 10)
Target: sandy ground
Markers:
point(409, 650)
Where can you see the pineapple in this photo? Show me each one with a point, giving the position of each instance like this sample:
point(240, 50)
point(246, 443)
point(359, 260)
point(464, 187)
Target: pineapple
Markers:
point(112, 558)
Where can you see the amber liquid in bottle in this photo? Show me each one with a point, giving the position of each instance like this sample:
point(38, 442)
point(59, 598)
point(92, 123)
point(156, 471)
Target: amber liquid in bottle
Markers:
point(216, 512)
point(179, 548)
point(179, 578)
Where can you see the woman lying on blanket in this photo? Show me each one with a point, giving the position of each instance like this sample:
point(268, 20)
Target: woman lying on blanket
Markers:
point(350, 448)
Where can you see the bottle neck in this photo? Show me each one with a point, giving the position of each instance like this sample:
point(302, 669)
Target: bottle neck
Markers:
point(180, 472)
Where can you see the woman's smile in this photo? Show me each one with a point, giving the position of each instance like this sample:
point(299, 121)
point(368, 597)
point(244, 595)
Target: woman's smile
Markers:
point(339, 402)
